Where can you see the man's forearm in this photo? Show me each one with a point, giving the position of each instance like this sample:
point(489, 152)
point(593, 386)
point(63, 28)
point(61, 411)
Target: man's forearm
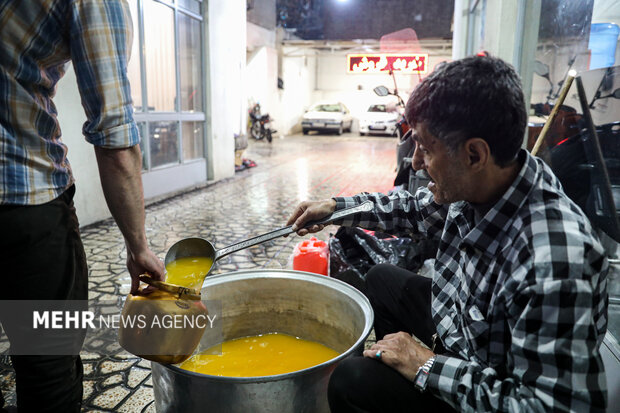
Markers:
point(121, 180)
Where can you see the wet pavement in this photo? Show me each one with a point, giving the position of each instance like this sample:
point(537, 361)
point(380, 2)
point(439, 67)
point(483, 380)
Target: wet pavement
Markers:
point(254, 201)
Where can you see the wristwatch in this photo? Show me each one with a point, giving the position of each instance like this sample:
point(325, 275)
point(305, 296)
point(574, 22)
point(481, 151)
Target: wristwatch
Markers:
point(421, 377)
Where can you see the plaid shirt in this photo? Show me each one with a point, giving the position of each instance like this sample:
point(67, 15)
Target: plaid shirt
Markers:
point(519, 298)
point(37, 39)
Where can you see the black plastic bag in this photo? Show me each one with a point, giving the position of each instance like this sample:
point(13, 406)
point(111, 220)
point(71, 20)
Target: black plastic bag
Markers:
point(354, 251)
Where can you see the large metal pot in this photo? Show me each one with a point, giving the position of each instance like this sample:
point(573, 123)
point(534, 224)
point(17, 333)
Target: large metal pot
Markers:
point(310, 306)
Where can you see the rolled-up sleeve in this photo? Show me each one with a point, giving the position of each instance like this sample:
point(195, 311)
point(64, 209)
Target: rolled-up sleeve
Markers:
point(100, 36)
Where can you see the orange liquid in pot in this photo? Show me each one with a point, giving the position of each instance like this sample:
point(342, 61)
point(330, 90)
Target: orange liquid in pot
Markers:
point(262, 355)
point(189, 271)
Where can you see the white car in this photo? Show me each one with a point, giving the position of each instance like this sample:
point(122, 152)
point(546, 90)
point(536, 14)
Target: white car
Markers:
point(327, 117)
point(380, 118)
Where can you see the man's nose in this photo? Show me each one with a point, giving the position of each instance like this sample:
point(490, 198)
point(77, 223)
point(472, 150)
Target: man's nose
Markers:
point(417, 161)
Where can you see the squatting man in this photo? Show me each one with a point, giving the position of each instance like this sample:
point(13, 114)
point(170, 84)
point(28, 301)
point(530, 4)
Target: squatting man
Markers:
point(516, 310)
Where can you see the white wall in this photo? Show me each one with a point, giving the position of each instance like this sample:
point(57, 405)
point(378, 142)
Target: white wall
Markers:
point(89, 201)
point(299, 76)
point(261, 71)
point(226, 48)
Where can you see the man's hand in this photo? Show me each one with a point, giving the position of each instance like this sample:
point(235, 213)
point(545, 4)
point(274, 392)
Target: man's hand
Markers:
point(310, 211)
point(401, 352)
point(144, 262)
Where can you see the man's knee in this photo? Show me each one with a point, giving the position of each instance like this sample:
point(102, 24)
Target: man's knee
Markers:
point(347, 382)
point(378, 276)
point(346, 373)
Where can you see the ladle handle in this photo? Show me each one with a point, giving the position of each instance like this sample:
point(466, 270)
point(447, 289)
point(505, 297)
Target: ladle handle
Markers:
point(363, 207)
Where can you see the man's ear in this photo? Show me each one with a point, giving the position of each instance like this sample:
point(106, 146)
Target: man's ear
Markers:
point(478, 153)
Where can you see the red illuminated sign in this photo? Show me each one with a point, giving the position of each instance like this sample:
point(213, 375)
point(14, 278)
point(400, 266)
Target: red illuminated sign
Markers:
point(383, 62)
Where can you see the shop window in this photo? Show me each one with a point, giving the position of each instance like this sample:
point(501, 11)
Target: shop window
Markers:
point(191, 5)
point(164, 144)
point(192, 140)
point(160, 62)
point(190, 63)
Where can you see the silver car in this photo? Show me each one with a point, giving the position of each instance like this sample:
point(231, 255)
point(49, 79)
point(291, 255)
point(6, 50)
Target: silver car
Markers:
point(379, 119)
point(327, 117)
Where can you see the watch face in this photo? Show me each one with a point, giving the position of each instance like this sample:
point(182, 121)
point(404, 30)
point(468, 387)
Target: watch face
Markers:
point(420, 379)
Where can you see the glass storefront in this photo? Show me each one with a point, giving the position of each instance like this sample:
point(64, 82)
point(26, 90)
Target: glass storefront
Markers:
point(192, 140)
point(167, 81)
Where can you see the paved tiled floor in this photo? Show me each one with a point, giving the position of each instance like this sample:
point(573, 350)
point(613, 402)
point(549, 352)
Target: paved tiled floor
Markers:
point(255, 201)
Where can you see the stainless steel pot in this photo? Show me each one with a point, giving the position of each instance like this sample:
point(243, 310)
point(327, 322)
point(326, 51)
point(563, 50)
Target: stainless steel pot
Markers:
point(310, 306)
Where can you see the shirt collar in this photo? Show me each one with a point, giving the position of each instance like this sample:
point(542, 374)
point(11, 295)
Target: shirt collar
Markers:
point(486, 235)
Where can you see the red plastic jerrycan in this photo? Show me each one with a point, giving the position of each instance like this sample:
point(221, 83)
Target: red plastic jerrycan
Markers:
point(311, 255)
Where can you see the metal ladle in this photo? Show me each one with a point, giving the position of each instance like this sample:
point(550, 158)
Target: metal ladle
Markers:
point(199, 247)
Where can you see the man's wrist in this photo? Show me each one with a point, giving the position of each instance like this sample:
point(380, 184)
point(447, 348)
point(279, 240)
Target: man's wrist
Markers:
point(333, 203)
point(136, 246)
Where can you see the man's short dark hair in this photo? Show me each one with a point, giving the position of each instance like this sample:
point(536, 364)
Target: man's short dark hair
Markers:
point(475, 97)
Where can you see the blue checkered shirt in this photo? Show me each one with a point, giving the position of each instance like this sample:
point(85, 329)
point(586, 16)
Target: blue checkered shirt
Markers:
point(519, 298)
point(37, 39)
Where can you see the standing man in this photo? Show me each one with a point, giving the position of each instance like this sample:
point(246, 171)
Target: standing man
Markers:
point(41, 253)
point(516, 311)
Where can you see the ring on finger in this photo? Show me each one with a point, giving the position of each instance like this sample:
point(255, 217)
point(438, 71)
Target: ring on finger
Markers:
point(378, 354)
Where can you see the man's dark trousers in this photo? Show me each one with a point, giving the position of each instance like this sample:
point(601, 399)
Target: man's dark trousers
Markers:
point(401, 301)
point(43, 258)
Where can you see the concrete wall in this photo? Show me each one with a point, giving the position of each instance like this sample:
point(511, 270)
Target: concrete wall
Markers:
point(226, 106)
point(299, 76)
point(261, 70)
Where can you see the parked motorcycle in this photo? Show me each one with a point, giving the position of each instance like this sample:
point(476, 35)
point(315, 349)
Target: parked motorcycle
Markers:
point(405, 176)
point(260, 125)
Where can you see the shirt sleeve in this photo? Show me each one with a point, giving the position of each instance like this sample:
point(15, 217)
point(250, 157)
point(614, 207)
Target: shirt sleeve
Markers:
point(401, 212)
point(100, 36)
point(554, 362)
